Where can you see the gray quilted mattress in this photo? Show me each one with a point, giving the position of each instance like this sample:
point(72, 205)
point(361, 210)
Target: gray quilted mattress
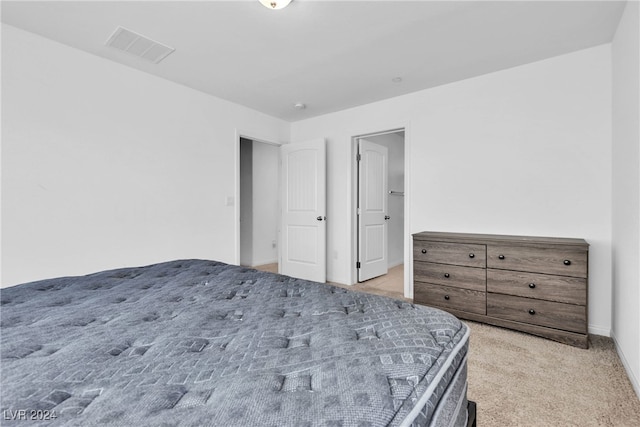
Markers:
point(202, 343)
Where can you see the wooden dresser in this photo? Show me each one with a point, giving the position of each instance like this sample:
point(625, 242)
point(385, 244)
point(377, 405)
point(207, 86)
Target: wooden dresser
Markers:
point(536, 285)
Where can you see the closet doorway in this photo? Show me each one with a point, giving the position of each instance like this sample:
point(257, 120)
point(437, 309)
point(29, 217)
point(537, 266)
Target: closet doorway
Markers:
point(259, 204)
point(379, 208)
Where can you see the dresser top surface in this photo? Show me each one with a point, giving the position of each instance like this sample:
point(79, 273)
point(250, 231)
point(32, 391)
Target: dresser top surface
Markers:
point(496, 238)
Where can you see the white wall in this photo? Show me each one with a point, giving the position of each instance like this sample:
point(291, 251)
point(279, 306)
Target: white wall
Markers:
point(521, 151)
point(104, 166)
point(626, 190)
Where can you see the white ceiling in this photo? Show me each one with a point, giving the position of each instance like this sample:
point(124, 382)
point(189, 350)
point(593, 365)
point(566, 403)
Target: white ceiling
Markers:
point(330, 55)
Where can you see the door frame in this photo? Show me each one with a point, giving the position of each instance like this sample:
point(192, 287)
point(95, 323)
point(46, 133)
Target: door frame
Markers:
point(353, 203)
point(236, 205)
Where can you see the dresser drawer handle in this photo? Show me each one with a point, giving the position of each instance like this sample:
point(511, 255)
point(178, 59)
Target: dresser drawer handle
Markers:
point(567, 262)
point(532, 311)
point(532, 285)
point(446, 275)
point(500, 256)
point(424, 251)
point(472, 255)
point(446, 297)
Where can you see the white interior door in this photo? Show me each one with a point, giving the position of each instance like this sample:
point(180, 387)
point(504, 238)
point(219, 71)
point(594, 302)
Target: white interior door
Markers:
point(372, 210)
point(304, 229)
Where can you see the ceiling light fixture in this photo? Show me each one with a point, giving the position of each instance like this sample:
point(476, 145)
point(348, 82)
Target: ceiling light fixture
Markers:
point(274, 5)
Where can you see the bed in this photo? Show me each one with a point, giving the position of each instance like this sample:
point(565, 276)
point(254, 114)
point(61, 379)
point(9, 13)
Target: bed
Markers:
point(203, 343)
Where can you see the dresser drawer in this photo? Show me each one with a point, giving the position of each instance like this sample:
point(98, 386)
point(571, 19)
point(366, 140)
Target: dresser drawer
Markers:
point(563, 262)
point(450, 275)
point(469, 255)
point(570, 290)
point(448, 297)
point(557, 315)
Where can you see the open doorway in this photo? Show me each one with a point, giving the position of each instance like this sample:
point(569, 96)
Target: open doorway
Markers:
point(379, 204)
point(288, 238)
point(259, 204)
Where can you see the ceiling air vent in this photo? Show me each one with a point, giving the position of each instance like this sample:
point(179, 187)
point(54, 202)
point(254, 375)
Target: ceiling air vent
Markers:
point(138, 45)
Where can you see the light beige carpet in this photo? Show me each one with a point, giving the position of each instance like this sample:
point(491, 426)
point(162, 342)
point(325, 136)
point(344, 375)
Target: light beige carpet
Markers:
point(521, 380)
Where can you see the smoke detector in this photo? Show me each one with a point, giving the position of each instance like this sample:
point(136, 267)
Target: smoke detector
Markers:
point(138, 45)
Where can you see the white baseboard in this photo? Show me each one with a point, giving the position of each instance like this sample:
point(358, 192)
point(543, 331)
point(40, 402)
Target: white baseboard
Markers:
point(599, 330)
point(635, 382)
point(339, 280)
point(395, 263)
point(272, 261)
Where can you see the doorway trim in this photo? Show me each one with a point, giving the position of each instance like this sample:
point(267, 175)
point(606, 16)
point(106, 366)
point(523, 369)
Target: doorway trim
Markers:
point(236, 205)
point(353, 196)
